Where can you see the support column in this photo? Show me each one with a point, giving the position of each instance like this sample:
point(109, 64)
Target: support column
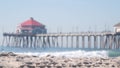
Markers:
point(95, 42)
point(53, 42)
point(83, 41)
point(57, 41)
point(44, 42)
point(35, 44)
point(12, 41)
point(77, 41)
point(111, 41)
point(31, 41)
point(72, 41)
point(23, 45)
point(115, 42)
point(67, 41)
point(89, 41)
point(118, 42)
point(61, 41)
point(101, 42)
point(20, 42)
point(106, 42)
point(16, 41)
point(8, 43)
point(3, 41)
point(48, 41)
point(40, 42)
point(27, 42)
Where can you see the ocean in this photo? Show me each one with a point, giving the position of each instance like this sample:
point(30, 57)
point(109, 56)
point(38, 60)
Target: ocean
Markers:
point(66, 52)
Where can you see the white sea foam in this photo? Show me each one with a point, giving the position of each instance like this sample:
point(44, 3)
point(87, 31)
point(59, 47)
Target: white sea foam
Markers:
point(75, 54)
point(57, 52)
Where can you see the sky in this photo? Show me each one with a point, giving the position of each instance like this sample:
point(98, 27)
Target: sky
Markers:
point(61, 15)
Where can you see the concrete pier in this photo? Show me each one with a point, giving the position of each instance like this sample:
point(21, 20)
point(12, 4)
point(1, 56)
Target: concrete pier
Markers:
point(100, 40)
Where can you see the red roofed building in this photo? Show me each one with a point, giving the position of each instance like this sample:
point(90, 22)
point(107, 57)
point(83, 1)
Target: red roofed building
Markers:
point(31, 26)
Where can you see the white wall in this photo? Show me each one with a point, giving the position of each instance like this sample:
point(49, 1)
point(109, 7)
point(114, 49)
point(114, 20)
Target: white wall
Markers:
point(117, 29)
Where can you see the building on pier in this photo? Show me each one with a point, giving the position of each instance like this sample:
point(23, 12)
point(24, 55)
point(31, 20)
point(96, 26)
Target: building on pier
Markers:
point(31, 26)
point(117, 28)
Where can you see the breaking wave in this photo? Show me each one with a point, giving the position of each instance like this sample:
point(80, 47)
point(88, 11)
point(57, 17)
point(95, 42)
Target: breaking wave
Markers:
point(66, 52)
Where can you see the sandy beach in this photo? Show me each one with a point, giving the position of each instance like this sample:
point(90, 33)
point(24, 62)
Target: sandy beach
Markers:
point(11, 60)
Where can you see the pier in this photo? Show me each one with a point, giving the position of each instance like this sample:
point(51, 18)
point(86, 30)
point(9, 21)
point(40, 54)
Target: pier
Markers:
point(33, 34)
point(91, 40)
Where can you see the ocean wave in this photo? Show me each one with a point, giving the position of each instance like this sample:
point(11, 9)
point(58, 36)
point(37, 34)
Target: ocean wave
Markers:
point(66, 52)
point(73, 54)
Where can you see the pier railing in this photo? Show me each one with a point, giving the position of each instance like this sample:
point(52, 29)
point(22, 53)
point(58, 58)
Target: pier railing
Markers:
point(62, 34)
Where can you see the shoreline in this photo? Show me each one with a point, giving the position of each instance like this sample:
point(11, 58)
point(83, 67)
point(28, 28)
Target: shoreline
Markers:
point(12, 60)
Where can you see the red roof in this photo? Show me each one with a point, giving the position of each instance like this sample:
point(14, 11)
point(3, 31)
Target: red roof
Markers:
point(31, 22)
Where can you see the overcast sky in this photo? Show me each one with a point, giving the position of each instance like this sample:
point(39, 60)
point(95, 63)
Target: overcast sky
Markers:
point(62, 15)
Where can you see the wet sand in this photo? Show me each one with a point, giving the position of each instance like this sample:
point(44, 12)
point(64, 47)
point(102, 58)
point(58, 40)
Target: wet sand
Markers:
point(11, 60)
